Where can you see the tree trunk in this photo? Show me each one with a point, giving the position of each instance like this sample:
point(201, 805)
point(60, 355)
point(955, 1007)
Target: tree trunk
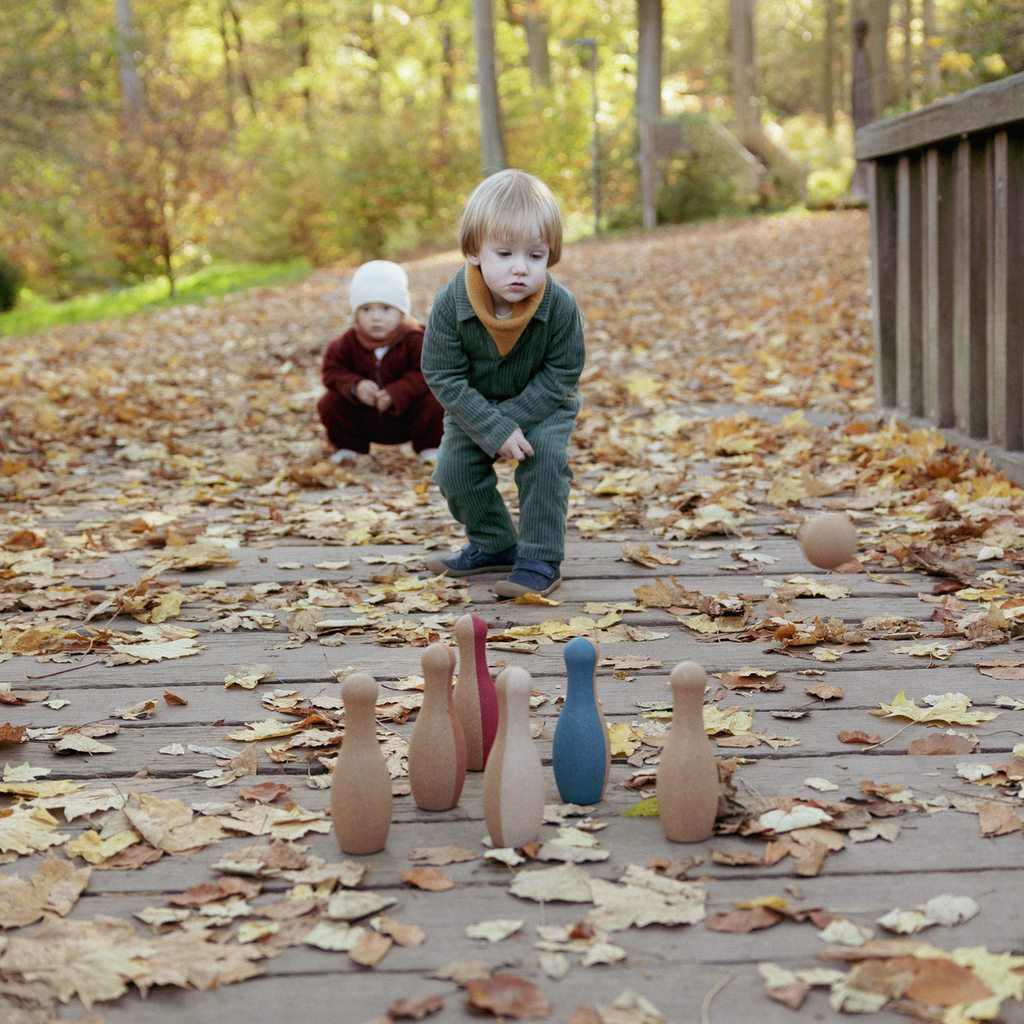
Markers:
point(828, 90)
point(929, 55)
point(447, 67)
point(229, 75)
point(648, 58)
point(243, 75)
point(492, 143)
point(131, 84)
point(648, 100)
point(537, 44)
point(908, 51)
point(876, 14)
point(303, 31)
point(745, 90)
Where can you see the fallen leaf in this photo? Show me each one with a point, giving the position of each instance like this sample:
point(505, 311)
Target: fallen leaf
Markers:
point(430, 879)
point(942, 743)
point(415, 1009)
point(371, 948)
point(493, 931)
point(824, 692)
point(505, 995)
point(740, 922)
point(566, 883)
point(438, 856)
point(857, 736)
point(264, 792)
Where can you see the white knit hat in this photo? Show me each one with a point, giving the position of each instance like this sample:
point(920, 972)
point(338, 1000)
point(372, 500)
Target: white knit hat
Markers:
point(380, 281)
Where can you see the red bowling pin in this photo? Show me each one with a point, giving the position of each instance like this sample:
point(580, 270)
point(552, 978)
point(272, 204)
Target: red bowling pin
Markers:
point(360, 784)
point(437, 747)
point(475, 701)
point(687, 774)
point(513, 778)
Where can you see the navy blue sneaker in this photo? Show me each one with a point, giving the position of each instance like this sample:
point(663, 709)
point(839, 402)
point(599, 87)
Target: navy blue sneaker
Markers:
point(530, 576)
point(470, 560)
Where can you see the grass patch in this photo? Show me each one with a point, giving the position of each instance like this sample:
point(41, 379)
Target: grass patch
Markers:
point(34, 313)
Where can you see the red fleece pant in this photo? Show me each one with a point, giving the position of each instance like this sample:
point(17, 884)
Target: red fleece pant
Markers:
point(353, 425)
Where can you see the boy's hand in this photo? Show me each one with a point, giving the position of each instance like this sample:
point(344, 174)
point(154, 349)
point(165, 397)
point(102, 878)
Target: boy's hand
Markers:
point(383, 401)
point(367, 392)
point(516, 446)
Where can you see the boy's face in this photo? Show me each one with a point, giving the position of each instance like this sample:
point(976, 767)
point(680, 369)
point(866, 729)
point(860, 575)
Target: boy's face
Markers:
point(513, 269)
point(378, 320)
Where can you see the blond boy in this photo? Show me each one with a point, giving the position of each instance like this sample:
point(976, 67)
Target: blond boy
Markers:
point(503, 352)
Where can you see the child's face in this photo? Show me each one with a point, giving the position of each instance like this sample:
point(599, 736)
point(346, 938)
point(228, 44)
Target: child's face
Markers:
point(378, 320)
point(513, 269)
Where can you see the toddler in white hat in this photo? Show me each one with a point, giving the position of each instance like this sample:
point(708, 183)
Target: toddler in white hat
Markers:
point(375, 388)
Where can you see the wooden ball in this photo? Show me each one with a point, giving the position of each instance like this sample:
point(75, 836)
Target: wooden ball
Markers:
point(828, 540)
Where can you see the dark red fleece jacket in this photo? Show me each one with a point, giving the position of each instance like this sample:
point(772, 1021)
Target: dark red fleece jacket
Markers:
point(347, 361)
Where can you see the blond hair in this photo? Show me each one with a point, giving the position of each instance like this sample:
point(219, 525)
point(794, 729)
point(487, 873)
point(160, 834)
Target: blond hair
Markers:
point(511, 205)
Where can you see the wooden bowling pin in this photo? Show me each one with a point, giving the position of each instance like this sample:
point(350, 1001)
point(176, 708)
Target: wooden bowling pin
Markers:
point(437, 747)
point(581, 753)
point(360, 784)
point(513, 778)
point(475, 700)
point(687, 774)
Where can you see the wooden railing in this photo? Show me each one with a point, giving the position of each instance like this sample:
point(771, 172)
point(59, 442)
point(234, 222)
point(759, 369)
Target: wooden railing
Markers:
point(946, 194)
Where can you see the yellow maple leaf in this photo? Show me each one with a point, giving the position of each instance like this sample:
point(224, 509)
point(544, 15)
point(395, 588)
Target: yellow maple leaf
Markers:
point(948, 711)
point(94, 850)
point(729, 720)
point(624, 739)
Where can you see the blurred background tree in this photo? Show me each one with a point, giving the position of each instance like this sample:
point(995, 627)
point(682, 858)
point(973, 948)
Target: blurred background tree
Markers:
point(143, 140)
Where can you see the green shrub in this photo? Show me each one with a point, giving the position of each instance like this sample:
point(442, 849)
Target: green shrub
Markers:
point(707, 178)
point(12, 277)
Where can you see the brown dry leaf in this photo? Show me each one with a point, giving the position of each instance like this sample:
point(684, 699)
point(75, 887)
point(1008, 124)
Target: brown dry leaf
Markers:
point(751, 679)
point(12, 734)
point(168, 824)
point(642, 555)
point(941, 982)
point(857, 736)
point(403, 934)
point(137, 856)
point(792, 995)
point(430, 879)
point(371, 948)
point(54, 888)
point(438, 856)
point(584, 1015)
point(807, 846)
point(415, 1009)
point(824, 692)
point(171, 698)
point(996, 819)
point(942, 743)
point(739, 922)
point(736, 858)
point(505, 995)
point(265, 792)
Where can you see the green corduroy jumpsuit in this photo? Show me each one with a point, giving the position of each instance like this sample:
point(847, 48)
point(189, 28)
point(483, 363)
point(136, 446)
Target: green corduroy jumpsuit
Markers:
point(486, 396)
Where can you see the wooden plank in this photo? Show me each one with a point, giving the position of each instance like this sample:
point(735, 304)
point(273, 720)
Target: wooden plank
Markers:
point(909, 391)
point(882, 203)
point(937, 285)
point(989, 106)
point(1004, 350)
point(970, 353)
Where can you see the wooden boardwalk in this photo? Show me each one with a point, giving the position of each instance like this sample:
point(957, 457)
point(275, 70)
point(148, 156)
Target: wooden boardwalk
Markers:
point(938, 849)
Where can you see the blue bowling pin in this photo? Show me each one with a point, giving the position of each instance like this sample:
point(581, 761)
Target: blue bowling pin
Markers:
point(581, 753)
